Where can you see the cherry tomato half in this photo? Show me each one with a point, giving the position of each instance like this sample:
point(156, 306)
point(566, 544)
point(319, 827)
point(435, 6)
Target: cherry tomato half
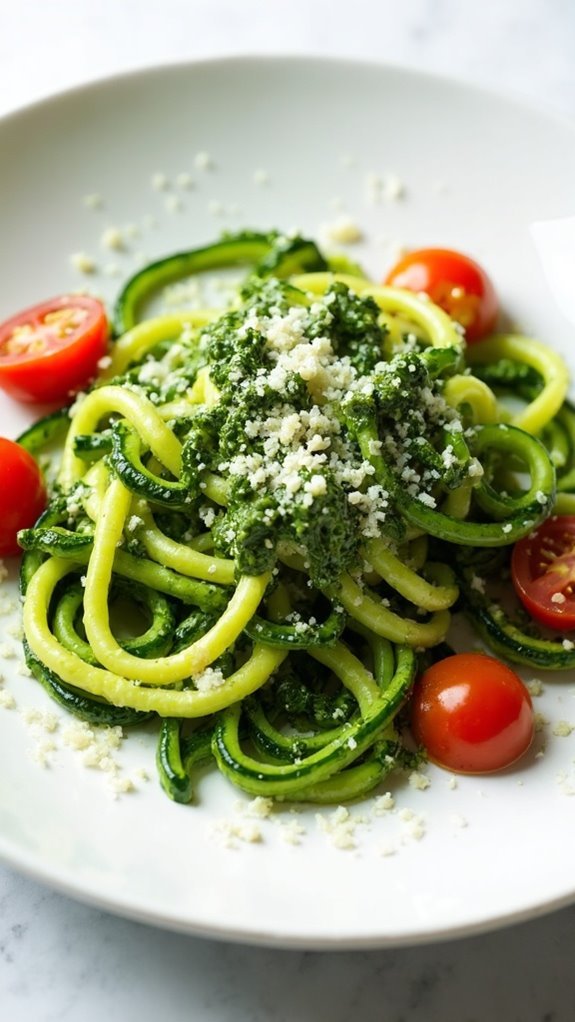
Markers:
point(22, 494)
point(543, 572)
point(472, 714)
point(49, 352)
point(453, 281)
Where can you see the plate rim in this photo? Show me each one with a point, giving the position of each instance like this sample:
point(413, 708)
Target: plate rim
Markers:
point(507, 95)
point(270, 938)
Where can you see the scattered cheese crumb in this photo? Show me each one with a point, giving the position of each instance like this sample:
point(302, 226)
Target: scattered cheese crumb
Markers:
point(97, 744)
point(7, 701)
point(452, 783)
point(260, 807)
point(344, 230)
point(419, 781)
point(534, 686)
point(230, 831)
point(121, 785)
point(261, 177)
point(393, 188)
point(567, 787)
point(172, 203)
point(414, 827)
point(562, 729)
point(93, 201)
point(40, 720)
point(478, 583)
point(539, 721)
point(184, 180)
point(83, 262)
point(340, 826)
point(113, 238)
point(203, 161)
point(160, 182)
point(383, 804)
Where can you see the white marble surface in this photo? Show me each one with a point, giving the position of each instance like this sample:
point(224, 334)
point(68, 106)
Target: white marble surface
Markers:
point(63, 961)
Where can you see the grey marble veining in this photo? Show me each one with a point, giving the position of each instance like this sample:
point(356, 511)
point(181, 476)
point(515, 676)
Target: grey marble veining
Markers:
point(63, 961)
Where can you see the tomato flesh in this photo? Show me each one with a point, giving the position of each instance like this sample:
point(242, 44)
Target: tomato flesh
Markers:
point(49, 352)
point(472, 714)
point(454, 282)
point(543, 572)
point(22, 494)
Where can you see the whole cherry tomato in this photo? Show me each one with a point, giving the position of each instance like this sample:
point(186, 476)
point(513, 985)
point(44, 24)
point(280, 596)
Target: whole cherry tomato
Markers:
point(453, 281)
point(22, 494)
point(472, 714)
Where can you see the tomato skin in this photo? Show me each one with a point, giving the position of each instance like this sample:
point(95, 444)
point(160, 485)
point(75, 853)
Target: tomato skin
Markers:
point(50, 351)
point(22, 494)
point(472, 714)
point(543, 572)
point(453, 281)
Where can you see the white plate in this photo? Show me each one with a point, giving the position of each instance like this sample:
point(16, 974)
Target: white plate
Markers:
point(477, 170)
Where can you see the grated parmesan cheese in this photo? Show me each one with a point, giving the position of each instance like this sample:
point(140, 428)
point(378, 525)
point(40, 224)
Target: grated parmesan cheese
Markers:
point(343, 230)
point(418, 781)
point(562, 729)
point(113, 239)
point(209, 679)
point(83, 262)
point(203, 161)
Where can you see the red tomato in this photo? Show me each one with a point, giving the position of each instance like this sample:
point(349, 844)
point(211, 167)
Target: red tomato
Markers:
point(453, 281)
point(543, 572)
point(49, 352)
point(22, 494)
point(472, 714)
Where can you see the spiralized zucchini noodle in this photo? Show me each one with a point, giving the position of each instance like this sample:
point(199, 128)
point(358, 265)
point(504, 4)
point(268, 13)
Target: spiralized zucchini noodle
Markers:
point(265, 515)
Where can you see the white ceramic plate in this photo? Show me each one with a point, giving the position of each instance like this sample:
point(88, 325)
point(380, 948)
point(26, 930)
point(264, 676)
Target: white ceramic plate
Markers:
point(477, 170)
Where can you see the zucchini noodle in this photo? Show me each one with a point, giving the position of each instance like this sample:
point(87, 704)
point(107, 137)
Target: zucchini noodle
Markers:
point(265, 515)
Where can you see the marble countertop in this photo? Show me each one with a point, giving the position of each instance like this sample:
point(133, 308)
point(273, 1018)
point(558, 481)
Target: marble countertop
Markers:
point(60, 960)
